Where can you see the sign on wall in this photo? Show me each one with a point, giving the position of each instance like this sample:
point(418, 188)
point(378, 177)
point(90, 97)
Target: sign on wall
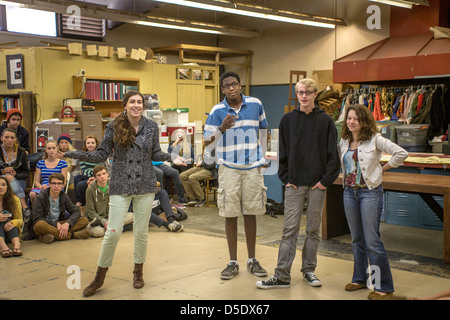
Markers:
point(14, 71)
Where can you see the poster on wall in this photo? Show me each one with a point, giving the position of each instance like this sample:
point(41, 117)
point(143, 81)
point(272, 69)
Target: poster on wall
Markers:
point(41, 139)
point(14, 70)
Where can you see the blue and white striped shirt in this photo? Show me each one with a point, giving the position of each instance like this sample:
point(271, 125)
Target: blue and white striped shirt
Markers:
point(239, 146)
point(47, 172)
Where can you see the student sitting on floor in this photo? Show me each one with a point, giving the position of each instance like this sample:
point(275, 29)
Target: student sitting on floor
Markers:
point(46, 167)
point(73, 165)
point(164, 205)
point(10, 220)
point(97, 203)
point(55, 216)
point(82, 181)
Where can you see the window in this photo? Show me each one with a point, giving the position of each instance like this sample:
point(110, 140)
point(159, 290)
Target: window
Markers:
point(31, 21)
point(45, 23)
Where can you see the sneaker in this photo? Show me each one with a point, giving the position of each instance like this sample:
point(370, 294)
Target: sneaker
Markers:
point(272, 283)
point(200, 203)
point(46, 238)
point(183, 201)
point(230, 271)
point(312, 280)
point(175, 227)
point(255, 268)
point(192, 203)
point(26, 214)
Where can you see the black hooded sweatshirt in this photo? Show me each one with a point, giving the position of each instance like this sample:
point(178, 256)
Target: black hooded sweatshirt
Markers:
point(308, 148)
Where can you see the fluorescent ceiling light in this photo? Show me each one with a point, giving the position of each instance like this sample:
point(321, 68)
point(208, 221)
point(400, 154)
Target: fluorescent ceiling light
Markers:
point(397, 3)
point(99, 12)
point(255, 11)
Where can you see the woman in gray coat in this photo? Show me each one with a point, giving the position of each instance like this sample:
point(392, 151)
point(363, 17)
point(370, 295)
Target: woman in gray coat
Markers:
point(135, 142)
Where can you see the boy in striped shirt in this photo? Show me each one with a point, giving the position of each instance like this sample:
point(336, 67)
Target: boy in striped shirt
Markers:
point(233, 130)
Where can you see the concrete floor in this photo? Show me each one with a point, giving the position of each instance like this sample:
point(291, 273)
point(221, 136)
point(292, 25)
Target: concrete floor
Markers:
point(187, 265)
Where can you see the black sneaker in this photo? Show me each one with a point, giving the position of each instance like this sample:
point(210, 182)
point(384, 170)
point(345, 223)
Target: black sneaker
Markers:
point(272, 283)
point(200, 203)
point(255, 268)
point(230, 271)
point(312, 280)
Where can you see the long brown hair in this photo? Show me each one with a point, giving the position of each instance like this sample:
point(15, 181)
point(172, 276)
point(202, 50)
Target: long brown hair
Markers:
point(366, 121)
point(124, 133)
point(90, 136)
point(8, 198)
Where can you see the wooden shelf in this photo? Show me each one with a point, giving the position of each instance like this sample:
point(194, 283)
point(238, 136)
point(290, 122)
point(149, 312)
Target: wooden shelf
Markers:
point(207, 55)
point(104, 87)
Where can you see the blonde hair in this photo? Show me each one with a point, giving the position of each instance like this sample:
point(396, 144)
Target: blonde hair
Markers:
point(46, 144)
point(308, 83)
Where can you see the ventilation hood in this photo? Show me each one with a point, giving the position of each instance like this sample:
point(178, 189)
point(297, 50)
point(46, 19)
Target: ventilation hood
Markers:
point(396, 58)
point(410, 52)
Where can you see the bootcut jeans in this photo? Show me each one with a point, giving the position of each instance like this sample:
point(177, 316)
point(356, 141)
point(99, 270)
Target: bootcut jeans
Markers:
point(118, 209)
point(363, 209)
point(294, 201)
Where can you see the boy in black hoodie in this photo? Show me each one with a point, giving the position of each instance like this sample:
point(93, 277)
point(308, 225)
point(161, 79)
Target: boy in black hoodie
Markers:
point(308, 164)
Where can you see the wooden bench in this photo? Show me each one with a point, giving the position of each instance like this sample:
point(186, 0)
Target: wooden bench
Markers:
point(335, 224)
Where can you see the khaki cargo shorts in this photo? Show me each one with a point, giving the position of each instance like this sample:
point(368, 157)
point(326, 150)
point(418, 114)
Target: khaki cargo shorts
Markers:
point(241, 192)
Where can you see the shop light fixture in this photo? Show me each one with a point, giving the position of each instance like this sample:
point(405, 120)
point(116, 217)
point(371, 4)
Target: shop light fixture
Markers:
point(256, 11)
point(98, 12)
point(408, 4)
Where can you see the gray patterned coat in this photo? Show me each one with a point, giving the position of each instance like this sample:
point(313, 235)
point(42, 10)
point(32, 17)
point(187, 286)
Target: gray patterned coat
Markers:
point(132, 170)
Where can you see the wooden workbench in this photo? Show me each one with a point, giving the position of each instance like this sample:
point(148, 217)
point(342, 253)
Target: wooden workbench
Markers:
point(334, 222)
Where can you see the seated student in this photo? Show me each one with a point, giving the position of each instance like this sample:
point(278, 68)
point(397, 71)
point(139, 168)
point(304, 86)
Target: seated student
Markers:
point(13, 120)
point(163, 170)
point(97, 203)
point(10, 220)
point(164, 203)
point(46, 167)
point(82, 180)
point(73, 165)
point(191, 181)
point(14, 167)
point(181, 146)
point(55, 216)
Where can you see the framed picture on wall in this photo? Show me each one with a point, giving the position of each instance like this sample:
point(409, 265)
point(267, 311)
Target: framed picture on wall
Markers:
point(14, 71)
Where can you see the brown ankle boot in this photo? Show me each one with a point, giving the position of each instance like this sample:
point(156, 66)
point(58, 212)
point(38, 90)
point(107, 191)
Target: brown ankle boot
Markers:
point(96, 283)
point(138, 279)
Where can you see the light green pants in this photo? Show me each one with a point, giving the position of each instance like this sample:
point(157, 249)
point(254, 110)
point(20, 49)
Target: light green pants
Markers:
point(118, 209)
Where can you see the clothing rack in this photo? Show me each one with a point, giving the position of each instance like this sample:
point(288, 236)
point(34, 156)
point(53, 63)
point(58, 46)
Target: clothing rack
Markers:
point(411, 104)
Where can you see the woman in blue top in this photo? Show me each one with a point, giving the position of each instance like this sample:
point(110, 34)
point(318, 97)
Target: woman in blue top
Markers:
point(46, 167)
point(361, 148)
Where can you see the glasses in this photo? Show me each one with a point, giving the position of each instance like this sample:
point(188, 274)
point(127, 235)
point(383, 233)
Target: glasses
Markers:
point(56, 183)
point(308, 93)
point(235, 85)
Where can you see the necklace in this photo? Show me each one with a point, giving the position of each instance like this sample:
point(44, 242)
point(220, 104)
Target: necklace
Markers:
point(6, 155)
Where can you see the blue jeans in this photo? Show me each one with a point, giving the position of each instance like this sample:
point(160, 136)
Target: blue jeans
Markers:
point(363, 209)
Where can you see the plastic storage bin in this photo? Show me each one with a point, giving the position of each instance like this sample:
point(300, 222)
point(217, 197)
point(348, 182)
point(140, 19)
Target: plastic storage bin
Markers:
point(413, 137)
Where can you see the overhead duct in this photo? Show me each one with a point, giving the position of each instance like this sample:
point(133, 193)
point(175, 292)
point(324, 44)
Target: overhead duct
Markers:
point(412, 51)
